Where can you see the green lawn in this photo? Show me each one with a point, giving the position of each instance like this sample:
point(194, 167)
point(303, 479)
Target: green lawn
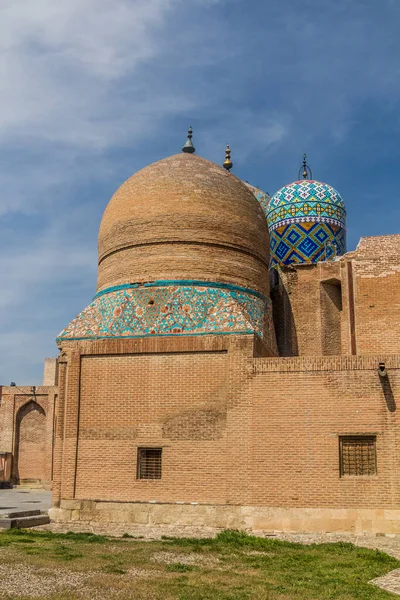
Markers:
point(233, 566)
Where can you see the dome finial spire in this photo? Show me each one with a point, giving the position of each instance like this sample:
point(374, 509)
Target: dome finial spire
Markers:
point(188, 147)
point(307, 173)
point(227, 162)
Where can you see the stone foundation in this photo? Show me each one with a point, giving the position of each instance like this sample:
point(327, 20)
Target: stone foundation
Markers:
point(217, 517)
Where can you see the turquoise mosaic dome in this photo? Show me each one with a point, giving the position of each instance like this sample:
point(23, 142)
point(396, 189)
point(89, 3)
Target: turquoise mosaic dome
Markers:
point(307, 223)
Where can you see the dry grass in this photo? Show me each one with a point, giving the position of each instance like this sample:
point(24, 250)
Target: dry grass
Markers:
point(233, 566)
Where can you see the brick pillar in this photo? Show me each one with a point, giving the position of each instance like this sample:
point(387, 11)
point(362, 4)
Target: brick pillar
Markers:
point(59, 429)
point(71, 417)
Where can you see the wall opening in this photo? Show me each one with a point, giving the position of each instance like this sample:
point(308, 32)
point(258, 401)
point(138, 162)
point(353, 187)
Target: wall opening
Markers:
point(331, 311)
point(149, 463)
point(30, 443)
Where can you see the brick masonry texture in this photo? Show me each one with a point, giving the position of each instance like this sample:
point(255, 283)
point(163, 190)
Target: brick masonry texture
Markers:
point(26, 433)
point(348, 306)
point(249, 434)
point(50, 372)
point(184, 218)
point(235, 429)
point(155, 394)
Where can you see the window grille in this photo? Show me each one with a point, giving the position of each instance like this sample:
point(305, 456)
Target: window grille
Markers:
point(149, 463)
point(357, 455)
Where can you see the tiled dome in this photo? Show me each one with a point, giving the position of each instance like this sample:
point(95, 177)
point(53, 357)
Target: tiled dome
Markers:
point(307, 223)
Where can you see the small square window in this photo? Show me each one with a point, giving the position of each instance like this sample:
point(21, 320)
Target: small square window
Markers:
point(357, 455)
point(149, 463)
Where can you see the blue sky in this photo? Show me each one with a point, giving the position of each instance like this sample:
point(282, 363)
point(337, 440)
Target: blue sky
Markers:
point(93, 90)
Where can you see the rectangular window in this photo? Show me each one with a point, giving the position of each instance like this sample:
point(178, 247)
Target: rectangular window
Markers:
point(149, 463)
point(357, 455)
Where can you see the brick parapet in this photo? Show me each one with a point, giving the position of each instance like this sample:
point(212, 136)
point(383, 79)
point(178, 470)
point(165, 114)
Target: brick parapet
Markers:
point(325, 363)
point(206, 343)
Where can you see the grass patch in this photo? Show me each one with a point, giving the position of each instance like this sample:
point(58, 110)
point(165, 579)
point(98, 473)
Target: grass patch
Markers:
point(178, 568)
point(84, 538)
point(232, 566)
point(114, 569)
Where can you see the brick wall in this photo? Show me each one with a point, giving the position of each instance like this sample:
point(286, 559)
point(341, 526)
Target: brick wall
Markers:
point(300, 407)
point(331, 309)
point(173, 401)
point(26, 431)
point(118, 395)
point(376, 266)
point(348, 306)
point(234, 429)
point(50, 372)
point(6, 420)
point(31, 443)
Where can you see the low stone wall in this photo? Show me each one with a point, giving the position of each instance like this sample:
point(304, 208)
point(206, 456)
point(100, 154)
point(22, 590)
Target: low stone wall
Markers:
point(216, 517)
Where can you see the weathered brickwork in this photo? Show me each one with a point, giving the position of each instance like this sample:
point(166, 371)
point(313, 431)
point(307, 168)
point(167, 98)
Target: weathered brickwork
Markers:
point(234, 430)
point(247, 417)
point(300, 408)
point(26, 432)
point(31, 443)
point(50, 372)
point(161, 408)
point(376, 267)
point(165, 392)
point(348, 306)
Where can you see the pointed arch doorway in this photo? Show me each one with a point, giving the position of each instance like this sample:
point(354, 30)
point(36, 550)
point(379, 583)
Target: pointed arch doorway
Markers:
point(30, 443)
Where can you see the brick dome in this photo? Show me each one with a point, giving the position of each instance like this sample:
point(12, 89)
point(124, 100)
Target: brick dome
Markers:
point(184, 218)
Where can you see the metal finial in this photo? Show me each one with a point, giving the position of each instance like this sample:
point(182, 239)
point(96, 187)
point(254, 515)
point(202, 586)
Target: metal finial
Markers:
point(305, 166)
point(227, 162)
point(307, 173)
point(188, 147)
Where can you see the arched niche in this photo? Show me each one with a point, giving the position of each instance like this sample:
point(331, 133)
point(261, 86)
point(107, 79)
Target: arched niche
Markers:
point(30, 443)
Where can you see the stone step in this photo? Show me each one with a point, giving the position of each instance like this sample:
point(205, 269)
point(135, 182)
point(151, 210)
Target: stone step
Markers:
point(29, 484)
point(23, 522)
point(20, 513)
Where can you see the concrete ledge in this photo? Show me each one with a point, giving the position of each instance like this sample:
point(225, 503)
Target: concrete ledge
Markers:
point(247, 518)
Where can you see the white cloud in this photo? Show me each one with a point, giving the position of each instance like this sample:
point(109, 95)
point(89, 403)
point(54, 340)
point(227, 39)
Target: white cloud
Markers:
point(86, 84)
point(60, 61)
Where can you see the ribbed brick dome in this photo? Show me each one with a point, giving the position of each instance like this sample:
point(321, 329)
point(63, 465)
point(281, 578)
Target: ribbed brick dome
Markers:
point(184, 218)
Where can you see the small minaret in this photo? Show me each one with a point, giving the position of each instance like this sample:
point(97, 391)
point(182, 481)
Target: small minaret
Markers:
point(227, 162)
point(188, 147)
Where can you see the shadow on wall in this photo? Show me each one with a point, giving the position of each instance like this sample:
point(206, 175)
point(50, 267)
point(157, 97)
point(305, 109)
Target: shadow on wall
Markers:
point(285, 328)
point(388, 393)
